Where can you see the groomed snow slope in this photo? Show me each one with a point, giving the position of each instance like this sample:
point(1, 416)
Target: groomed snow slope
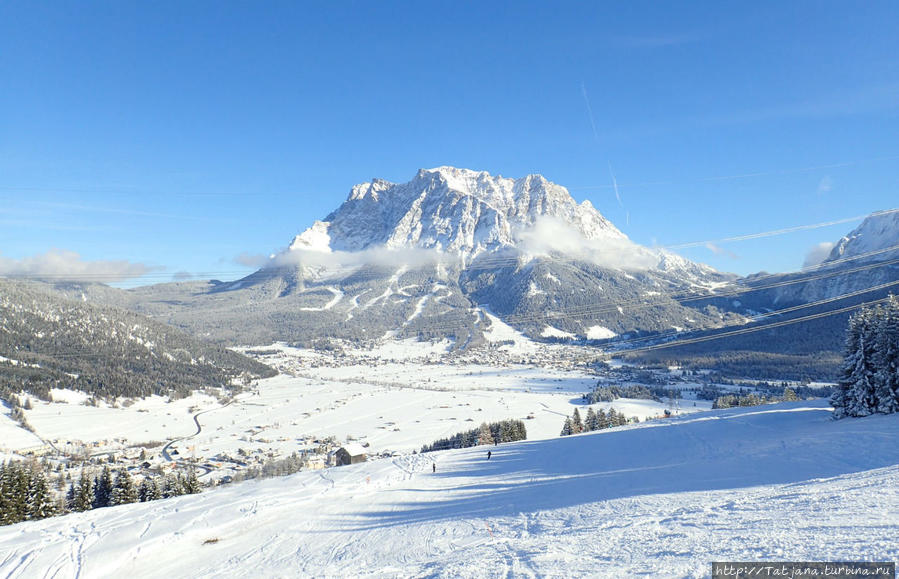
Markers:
point(662, 499)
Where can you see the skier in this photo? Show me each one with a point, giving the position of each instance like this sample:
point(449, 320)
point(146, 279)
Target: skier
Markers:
point(488, 455)
point(433, 467)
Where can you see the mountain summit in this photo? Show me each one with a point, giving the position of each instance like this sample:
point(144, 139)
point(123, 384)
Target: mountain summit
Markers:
point(452, 210)
point(875, 239)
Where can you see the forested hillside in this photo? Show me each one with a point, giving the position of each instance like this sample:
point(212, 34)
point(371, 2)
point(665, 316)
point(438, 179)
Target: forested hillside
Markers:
point(48, 341)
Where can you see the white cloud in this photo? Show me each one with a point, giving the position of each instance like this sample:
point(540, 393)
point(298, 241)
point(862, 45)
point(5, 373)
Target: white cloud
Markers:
point(549, 235)
point(68, 265)
point(252, 259)
point(818, 253)
point(825, 185)
point(375, 257)
point(718, 250)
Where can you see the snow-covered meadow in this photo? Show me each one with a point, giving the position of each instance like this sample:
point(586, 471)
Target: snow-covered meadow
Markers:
point(661, 499)
point(395, 398)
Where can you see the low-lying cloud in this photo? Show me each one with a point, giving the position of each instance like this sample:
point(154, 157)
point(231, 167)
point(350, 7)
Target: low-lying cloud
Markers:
point(61, 264)
point(374, 257)
point(550, 236)
point(818, 253)
point(252, 259)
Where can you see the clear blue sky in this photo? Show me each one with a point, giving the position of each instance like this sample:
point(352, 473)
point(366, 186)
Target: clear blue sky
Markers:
point(181, 135)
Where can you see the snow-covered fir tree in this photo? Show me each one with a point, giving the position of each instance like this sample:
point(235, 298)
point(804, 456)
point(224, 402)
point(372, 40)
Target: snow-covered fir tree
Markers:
point(123, 490)
point(870, 370)
point(886, 387)
point(590, 422)
point(83, 495)
point(484, 434)
point(191, 483)
point(577, 425)
point(103, 489)
point(40, 504)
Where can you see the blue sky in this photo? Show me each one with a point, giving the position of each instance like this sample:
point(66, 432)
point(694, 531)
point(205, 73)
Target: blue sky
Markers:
point(180, 136)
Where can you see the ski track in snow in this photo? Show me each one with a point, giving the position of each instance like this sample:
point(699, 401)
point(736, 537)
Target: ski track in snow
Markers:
point(660, 499)
point(338, 295)
point(354, 304)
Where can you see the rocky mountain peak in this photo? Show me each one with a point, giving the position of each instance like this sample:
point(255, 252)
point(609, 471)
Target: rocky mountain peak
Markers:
point(453, 210)
point(877, 235)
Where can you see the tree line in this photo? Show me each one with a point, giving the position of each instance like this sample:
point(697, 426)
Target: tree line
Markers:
point(594, 421)
point(492, 433)
point(27, 495)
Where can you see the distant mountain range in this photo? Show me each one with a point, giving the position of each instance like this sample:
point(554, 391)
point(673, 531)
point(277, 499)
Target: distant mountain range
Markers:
point(862, 267)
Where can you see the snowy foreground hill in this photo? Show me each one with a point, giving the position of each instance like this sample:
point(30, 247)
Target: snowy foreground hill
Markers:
point(663, 499)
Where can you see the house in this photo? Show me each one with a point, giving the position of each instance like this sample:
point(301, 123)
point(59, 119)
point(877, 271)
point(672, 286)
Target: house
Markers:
point(350, 453)
point(314, 462)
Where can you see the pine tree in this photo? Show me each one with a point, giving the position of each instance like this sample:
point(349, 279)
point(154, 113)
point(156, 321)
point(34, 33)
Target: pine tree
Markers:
point(484, 435)
point(886, 378)
point(191, 483)
point(590, 423)
point(612, 418)
point(602, 421)
point(566, 428)
point(84, 493)
point(577, 425)
point(123, 490)
point(40, 502)
point(861, 400)
point(14, 492)
point(5, 495)
point(103, 489)
point(155, 492)
point(840, 397)
point(171, 486)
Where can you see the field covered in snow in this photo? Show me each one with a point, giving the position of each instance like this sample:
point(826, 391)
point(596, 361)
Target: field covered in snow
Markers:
point(395, 398)
point(661, 499)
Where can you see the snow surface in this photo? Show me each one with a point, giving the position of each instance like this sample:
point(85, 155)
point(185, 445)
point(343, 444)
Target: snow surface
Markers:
point(600, 333)
point(552, 332)
point(514, 341)
point(661, 499)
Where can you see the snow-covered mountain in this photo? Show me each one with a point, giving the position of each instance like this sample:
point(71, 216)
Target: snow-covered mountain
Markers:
point(454, 210)
point(465, 214)
point(661, 499)
point(864, 258)
point(876, 239)
point(436, 257)
point(521, 248)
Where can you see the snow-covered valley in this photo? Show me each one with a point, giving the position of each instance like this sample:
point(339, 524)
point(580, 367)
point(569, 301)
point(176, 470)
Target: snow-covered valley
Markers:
point(395, 398)
point(661, 499)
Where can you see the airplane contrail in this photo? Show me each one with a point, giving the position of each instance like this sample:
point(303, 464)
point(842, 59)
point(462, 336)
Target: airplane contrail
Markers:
point(615, 186)
point(589, 111)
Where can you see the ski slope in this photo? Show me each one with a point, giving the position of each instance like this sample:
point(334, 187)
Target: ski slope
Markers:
point(661, 499)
